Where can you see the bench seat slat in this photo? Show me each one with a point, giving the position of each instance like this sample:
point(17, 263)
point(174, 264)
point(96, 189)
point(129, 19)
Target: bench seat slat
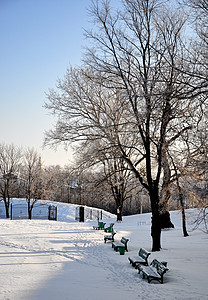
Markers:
point(123, 243)
point(109, 237)
point(150, 271)
point(118, 245)
point(155, 271)
point(142, 258)
point(137, 259)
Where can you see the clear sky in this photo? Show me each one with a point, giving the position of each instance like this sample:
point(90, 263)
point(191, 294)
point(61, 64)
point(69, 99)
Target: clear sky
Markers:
point(39, 40)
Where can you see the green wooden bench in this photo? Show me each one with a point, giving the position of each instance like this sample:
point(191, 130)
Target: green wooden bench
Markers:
point(122, 244)
point(155, 271)
point(142, 258)
point(101, 225)
point(109, 228)
point(109, 237)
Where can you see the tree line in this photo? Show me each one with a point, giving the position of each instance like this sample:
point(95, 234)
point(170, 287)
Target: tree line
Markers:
point(22, 175)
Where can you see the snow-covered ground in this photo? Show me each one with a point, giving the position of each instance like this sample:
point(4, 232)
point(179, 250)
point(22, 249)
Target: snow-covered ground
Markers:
point(64, 259)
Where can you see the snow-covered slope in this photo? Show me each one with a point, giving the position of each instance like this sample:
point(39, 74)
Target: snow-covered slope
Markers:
point(42, 259)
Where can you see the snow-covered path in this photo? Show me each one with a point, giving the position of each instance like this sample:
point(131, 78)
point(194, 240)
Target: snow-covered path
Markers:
point(65, 260)
point(41, 259)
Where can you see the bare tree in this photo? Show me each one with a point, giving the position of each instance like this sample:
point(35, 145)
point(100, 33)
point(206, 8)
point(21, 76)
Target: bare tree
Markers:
point(113, 171)
point(31, 176)
point(153, 71)
point(116, 175)
point(10, 162)
point(138, 84)
point(53, 183)
point(199, 15)
point(198, 23)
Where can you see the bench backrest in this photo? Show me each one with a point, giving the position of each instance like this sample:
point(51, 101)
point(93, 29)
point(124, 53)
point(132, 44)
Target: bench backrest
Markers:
point(124, 241)
point(110, 227)
point(144, 253)
point(161, 269)
point(101, 224)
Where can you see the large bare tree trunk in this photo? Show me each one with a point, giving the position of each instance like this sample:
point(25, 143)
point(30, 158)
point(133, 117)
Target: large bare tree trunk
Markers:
point(165, 191)
point(156, 225)
point(185, 233)
point(119, 213)
point(6, 202)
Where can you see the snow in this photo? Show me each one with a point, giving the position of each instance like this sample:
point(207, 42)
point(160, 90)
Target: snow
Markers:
point(64, 259)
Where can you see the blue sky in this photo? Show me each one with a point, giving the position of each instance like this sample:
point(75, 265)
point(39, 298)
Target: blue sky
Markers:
point(39, 39)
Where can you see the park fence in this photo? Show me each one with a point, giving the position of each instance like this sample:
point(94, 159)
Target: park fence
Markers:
point(20, 211)
point(2, 211)
point(83, 213)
